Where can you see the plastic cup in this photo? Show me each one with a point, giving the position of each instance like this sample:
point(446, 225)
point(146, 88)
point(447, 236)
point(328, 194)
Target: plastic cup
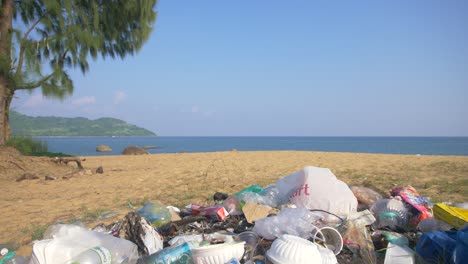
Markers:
point(331, 239)
point(251, 240)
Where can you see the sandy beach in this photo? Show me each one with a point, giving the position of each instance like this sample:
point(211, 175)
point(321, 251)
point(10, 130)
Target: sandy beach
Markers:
point(29, 206)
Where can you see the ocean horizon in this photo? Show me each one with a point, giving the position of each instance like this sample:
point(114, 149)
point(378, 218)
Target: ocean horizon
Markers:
point(86, 146)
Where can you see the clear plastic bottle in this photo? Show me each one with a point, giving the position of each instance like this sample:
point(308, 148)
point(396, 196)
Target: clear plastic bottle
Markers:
point(95, 255)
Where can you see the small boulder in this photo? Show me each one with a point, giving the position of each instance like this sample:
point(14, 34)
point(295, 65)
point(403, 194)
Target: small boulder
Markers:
point(133, 150)
point(100, 170)
point(103, 148)
point(27, 176)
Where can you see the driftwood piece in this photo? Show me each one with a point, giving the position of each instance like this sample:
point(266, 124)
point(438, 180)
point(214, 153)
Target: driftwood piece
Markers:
point(66, 160)
point(27, 176)
point(77, 173)
point(17, 165)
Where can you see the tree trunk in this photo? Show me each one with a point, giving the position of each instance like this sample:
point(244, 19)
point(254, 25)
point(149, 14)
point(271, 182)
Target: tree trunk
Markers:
point(7, 115)
point(6, 22)
point(3, 88)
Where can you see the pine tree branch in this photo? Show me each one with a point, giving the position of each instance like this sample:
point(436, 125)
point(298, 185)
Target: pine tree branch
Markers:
point(23, 44)
point(32, 85)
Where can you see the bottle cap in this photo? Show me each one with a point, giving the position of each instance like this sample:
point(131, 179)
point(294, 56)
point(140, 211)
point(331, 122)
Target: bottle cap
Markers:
point(4, 251)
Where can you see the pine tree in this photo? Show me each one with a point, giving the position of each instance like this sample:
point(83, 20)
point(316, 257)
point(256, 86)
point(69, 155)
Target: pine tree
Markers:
point(41, 39)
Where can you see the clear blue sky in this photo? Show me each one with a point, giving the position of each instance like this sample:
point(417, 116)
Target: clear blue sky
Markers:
point(285, 68)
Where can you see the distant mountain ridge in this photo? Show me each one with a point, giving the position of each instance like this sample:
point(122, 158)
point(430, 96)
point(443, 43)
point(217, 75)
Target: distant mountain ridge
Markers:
point(23, 125)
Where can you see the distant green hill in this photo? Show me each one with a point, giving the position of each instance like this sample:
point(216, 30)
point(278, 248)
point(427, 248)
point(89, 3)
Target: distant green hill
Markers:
point(23, 125)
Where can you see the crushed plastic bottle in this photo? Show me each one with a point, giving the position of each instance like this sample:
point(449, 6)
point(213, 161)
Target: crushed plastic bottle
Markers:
point(390, 213)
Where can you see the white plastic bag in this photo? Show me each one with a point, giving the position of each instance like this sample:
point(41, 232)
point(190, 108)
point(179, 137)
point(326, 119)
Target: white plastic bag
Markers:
point(318, 188)
point(68, 241)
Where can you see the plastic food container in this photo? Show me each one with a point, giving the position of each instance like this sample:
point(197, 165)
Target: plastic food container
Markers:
point(328, 257)
point(288, 249)
point(218, 254)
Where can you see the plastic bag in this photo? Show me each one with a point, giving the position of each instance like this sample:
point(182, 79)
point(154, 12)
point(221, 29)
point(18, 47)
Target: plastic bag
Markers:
point(444, 247)
point(431, 224)
point(365, 195)
point(419, 206)
point(358, 240)
point(317, 188)
point(158, 215)
point(292, 221)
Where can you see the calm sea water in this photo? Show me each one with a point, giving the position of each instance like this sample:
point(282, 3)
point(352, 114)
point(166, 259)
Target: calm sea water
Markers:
point(390, 145)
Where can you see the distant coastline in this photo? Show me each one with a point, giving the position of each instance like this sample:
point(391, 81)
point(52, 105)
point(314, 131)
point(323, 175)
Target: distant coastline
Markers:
point(51, 126)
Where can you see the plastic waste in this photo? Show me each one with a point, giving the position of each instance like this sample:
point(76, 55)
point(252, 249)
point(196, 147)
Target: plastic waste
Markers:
point(460, 253)
point(158, 215)
point(7, 256)
point(390, 213)
point(275, 226)
point(395, 238)
point(362, 218)
point(454, 216)
point(252, 188)
point(328, 257)
point(359, 241)
point(232, 206)
point(288, 249)
point(16, 260)
point(431, 224)
point(268, 196)
point(365, 195)
point(331, 239)
point(218, 253)
point(317, 188)
point(181, 254)
point(71, 240)
point(251, 242)
point(95, 255)
point(197, 239)
point(444, 246)
point(397, 254)
point(419, 207)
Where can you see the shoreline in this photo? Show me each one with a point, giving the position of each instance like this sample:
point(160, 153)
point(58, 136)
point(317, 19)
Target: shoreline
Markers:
point(179, 179)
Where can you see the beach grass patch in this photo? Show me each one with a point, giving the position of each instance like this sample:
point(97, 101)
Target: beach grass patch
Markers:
point(35, 231)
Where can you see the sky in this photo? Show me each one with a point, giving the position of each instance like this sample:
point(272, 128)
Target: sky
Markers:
point(284, 68)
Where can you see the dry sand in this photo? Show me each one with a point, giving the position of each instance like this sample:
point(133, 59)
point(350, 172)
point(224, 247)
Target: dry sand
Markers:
point(27, 207)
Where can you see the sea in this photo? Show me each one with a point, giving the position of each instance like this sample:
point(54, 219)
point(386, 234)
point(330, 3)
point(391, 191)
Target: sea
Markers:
point(86, 146)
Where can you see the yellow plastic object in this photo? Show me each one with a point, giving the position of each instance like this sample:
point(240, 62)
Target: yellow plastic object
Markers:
point(454, 216)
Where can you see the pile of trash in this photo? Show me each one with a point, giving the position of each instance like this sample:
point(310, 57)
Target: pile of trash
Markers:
point(307, 217)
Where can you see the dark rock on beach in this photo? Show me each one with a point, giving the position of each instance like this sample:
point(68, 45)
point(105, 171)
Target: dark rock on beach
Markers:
point(100, 170)
point(133, 150)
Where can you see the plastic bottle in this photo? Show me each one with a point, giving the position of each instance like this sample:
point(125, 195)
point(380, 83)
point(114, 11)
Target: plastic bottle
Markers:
point(181, 254)
point(95, 255)
point(391, 213)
